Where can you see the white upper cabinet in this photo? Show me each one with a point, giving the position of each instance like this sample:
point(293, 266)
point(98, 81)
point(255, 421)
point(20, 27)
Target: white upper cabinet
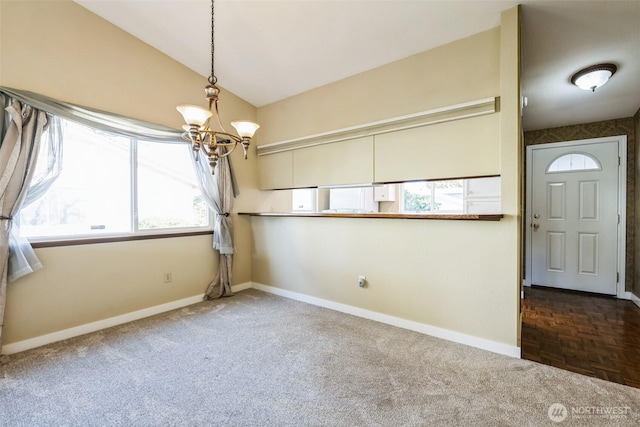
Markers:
point(275, 171)
point(457, 141)
point(456, 149)
point(338, 163)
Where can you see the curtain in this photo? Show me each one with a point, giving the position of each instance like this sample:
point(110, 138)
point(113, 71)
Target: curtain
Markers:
point(18, 154)
point(47, 171)
point(218, 191)
point(22, 257)
point(108, 122)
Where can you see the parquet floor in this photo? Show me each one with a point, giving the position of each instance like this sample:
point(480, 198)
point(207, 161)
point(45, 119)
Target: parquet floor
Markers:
point(586, 333)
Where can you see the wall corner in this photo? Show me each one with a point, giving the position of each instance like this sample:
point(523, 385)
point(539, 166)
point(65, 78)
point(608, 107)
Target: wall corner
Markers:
point(511, 151)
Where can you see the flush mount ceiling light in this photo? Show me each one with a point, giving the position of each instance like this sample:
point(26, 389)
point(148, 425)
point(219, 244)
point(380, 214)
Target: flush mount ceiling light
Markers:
point(593, 77)
point(198, 131)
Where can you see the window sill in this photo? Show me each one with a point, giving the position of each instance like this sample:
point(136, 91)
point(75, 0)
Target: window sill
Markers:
point(111, 239)
point(378, 215)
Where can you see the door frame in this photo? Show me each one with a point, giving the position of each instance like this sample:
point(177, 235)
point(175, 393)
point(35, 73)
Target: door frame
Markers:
point(622, 205)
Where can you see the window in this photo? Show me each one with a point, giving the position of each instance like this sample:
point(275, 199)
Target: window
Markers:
point(461, 196)
point(574, 162)
point(468, 196)
point(168, 195)
point(112, 185)
point(432, 197)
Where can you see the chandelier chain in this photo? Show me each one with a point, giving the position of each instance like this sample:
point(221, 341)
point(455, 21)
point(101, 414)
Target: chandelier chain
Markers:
point(212, 78)
point(214, 142)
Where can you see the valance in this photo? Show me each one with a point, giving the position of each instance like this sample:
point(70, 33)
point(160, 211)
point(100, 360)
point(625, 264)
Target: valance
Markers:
point(97, 119)
point(102, 120)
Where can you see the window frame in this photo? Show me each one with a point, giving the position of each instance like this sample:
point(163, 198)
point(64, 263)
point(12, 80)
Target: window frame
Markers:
point(37, 244)
point(135, 232)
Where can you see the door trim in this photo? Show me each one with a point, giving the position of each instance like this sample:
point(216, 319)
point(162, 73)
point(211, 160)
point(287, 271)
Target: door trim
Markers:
point(622, 204)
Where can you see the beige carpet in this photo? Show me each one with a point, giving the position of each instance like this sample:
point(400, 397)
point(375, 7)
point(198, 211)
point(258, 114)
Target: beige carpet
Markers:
point(260, 360)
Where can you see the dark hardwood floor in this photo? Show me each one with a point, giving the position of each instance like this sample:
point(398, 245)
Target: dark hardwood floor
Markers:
point(581, 332)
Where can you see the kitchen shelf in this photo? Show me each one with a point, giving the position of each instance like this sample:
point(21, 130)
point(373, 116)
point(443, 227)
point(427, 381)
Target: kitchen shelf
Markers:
point(377, 215)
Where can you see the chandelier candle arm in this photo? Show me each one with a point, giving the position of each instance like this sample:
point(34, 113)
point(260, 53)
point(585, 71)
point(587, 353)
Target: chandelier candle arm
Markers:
point(198, 130)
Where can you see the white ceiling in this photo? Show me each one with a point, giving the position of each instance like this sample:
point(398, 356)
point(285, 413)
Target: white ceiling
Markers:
point(268, 50)
point(559, 39)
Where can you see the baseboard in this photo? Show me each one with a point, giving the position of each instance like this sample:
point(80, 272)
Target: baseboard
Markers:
point(437, 332)
point(30, 343)
point(634, 298)
point(623, 295)
point(241, 287)
point(493, 346)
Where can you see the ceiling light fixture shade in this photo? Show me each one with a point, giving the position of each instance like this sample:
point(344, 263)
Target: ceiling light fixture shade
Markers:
point(194, 115)
point(245, 129)
point(593, 77)
point(198, 130)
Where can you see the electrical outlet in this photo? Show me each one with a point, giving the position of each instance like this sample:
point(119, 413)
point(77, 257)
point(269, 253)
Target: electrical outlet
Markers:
point(362, 281)
point(167, 277)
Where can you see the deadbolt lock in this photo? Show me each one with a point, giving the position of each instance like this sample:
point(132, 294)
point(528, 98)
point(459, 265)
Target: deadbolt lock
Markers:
point(536, 216)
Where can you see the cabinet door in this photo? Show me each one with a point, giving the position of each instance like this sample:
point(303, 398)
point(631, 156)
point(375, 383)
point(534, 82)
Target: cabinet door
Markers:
point(304, 199)
point(482, 195)
point(338, 163)
point(275, 171)
point(489, 205)
point(385, 193)
point(482, 187)
point(461, 148)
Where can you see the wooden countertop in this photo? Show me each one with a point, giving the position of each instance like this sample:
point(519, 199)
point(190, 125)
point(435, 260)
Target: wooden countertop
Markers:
point(378, 215)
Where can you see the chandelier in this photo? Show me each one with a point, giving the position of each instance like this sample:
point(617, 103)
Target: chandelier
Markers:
point(198, 130)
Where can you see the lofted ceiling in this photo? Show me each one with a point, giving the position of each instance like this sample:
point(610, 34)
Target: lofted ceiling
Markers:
point(268, 50)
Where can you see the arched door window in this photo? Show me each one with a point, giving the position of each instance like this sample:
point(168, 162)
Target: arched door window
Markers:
point(574, 162)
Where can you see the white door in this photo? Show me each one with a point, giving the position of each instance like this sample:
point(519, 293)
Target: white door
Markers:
point(574, 217)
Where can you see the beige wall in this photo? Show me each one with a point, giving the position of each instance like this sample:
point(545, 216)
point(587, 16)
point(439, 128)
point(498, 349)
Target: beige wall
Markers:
point(71, 54)
point(461, 276)
point(462, 71)
point(511, 161)
point(88, 283)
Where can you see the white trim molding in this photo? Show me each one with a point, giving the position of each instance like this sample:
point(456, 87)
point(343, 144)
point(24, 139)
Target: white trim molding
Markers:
point(484, 344)
point(634, 298)
point(434, 331)
point(76, 331)
point(449, 113)
point(241, 287)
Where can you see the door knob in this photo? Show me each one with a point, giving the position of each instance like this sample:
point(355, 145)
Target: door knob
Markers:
point(536, 226)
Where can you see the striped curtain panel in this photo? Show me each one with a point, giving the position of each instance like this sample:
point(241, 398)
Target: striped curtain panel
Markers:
point(22, 127)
